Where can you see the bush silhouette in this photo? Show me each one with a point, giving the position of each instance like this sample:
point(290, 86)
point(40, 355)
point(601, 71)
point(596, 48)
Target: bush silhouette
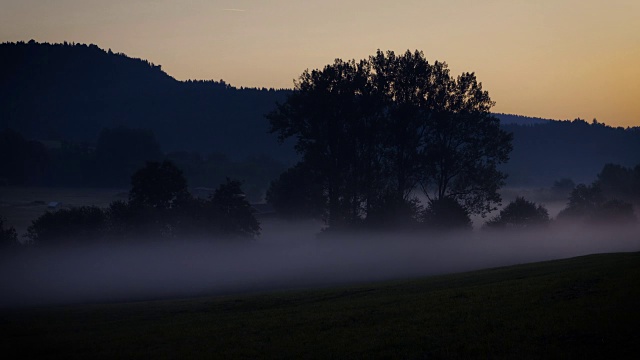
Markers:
point(520, 213)
point(446, 213)
point(158, 185)
point(588, 203)
point(86, 223)
point(8, 235)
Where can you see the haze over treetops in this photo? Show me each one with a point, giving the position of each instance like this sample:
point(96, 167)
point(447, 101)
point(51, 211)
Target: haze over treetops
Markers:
point(553, 59)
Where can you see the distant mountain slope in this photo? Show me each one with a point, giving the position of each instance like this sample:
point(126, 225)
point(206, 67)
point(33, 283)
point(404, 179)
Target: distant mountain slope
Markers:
point(509, 119)
point(72, 91)
point(574, 149)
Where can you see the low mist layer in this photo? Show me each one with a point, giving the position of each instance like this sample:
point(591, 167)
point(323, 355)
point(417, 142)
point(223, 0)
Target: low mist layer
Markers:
point(287, 256)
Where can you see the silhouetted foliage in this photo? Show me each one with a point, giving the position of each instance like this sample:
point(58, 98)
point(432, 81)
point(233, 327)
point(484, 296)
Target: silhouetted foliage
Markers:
point(383, 127)
point(158, 185)
point(68, 93)
point(558, 149)
point(588, 203)
point(619, 182)
point(23, 162)
point(520, 213)
point(8, 235)
point(235, 214)
point(298, 193)
point(120, 152)
point(583, 201)
point(614, 212)
point(446, 214)
point(389, 212)
point(78, 224)
point(153, 214)
point(563, 187)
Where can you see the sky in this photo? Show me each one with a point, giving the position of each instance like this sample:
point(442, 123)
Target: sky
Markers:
point(558, 59)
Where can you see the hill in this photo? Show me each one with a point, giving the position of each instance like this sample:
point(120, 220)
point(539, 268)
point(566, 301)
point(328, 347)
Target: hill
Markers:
point(510, 119)
point(70, 92)
point(552, 150)
point(583, 307)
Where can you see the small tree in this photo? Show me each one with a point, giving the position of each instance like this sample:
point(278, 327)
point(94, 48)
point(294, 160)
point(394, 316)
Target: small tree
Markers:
point(563, 187)
point(583, 202)
point(158, 185)
point(120, 151)
point(8, 235)
point(588, 203)
point(520, 213)
point(233, 212)
point(297, 193)
point(447, 214)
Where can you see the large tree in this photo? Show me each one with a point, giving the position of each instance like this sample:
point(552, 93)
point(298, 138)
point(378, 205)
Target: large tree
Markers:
point(326, 115)
point(381, 128)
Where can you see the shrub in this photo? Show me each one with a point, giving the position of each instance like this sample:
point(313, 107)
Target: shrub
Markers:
point(8, 235)
point(86, 223)
point(446, 213)
point(520, 213)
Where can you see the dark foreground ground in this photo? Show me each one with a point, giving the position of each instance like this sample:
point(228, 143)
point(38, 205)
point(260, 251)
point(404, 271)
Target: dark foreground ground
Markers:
point(586, 307)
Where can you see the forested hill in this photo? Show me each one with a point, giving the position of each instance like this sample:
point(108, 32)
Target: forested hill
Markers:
point(575, 149)
point(71, 91)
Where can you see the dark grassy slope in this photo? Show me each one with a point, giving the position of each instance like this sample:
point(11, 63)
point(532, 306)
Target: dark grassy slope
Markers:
point(584, 307)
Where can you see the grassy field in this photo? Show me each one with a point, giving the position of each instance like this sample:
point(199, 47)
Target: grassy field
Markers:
point(586, 307)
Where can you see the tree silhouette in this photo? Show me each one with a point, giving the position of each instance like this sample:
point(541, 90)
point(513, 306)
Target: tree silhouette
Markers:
point(520, 213)
point(297, 193)
point(78, 224)
point(158, 185)
point(584, 201)
point(377, 129)
point(446, 214)
point(589, 203)
point(120, 152)
point(235, 214)
point(619, 182)
point(8, 235)
point(614, 212)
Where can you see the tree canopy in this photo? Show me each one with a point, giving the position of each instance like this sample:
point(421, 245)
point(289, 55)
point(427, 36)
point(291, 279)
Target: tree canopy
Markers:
point(8, 235)
point(520, 213)
point(380, 129)
point(158, 185)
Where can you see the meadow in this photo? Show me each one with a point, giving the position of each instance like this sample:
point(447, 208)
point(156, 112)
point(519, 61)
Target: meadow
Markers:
point(584, 307)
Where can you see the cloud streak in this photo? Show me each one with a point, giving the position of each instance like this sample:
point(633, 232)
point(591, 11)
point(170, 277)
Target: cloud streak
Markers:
point(234, 10)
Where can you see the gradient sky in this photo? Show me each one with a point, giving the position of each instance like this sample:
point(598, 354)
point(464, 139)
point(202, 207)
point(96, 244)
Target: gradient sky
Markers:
point(558, 59)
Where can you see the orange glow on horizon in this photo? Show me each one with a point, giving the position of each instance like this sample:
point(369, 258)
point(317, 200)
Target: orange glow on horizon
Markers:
point(554, 59)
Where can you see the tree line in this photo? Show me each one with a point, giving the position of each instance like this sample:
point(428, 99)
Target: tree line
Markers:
point(574, 149)
point(116, 154)
point(159, 207)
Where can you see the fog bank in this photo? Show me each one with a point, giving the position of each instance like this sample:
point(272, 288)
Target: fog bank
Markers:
point(287, 256)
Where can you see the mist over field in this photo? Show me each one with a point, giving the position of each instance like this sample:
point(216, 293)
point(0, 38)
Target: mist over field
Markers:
point(286, 256)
